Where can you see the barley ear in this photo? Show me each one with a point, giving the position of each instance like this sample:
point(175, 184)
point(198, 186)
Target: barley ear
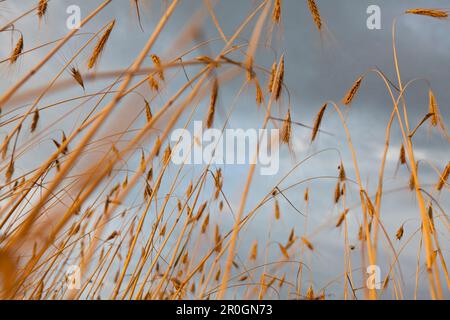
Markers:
point(17, 51)
point(352, 92)
point(433, 13)
point(317, 122)
point(315, 14)
point(100, 46)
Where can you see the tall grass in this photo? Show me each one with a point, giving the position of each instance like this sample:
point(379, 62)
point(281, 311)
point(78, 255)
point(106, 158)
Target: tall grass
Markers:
point(111, 201)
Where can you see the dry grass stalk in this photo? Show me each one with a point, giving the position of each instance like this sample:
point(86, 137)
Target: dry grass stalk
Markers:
point(282, 281)
point(138, 13)
point(188, 265)
point(99, 48)
point(315, 14)
point(434, 13)
point(352, 92)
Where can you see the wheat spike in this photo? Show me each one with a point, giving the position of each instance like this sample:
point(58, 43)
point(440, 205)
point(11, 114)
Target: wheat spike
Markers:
point(352, 92)
point(272, 76)
point(254, 251)
point(434, 13)
point(157, 147)
point(157, 63)
point(433, 109)
point(315, 14)
point(337, 192)
point(306, 195)
point(277, 210)
point(167, 154)
point(9, 171)
point(42, 8)
point(307, 243)
point(400, 232)
point(205, 224)
point(279, 80)
point(342, 175)
point(443, 178)
point(77, 76)
point(276, 16)
point(148, 111)
point(100, 45)
point(286, 130)
point(402, 157)
point(430, 216)
point(310, 293)
point(283, 251)
point(341, 218)
point(259, 93)
point(35, 121)
point(153, 83)
point(436, 117)
point(318, 121)
point(212, 104)
point(17, 51)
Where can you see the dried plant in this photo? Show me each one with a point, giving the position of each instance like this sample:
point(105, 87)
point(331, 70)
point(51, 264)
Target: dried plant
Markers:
point(89, 177)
